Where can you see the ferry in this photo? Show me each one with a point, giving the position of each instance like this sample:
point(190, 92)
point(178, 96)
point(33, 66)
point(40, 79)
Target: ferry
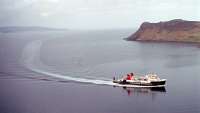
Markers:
point(148, 80)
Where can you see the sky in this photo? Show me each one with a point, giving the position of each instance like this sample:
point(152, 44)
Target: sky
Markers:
point(95, 14)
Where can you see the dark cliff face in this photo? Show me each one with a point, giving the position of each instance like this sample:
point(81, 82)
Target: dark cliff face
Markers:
point(174, 30)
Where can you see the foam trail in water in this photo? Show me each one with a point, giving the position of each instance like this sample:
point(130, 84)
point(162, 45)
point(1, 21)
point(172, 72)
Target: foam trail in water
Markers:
point(31, 55)
point(83, 80)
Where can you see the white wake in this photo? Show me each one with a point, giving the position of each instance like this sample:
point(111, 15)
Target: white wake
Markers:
point(31, 60)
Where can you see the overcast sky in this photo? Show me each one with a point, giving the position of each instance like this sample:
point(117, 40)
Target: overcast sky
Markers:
point(94, 14)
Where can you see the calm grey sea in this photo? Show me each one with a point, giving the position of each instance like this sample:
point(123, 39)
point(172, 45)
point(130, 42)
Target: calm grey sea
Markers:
point(71, 72)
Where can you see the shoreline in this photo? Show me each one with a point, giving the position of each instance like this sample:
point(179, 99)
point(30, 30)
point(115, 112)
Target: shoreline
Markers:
point(160, 41)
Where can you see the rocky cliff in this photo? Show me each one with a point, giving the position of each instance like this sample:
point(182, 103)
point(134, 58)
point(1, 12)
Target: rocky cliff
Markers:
point(175, 30)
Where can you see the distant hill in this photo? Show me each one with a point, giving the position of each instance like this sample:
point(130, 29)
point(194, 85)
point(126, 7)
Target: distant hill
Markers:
point(177, 30)
point(24, 28)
